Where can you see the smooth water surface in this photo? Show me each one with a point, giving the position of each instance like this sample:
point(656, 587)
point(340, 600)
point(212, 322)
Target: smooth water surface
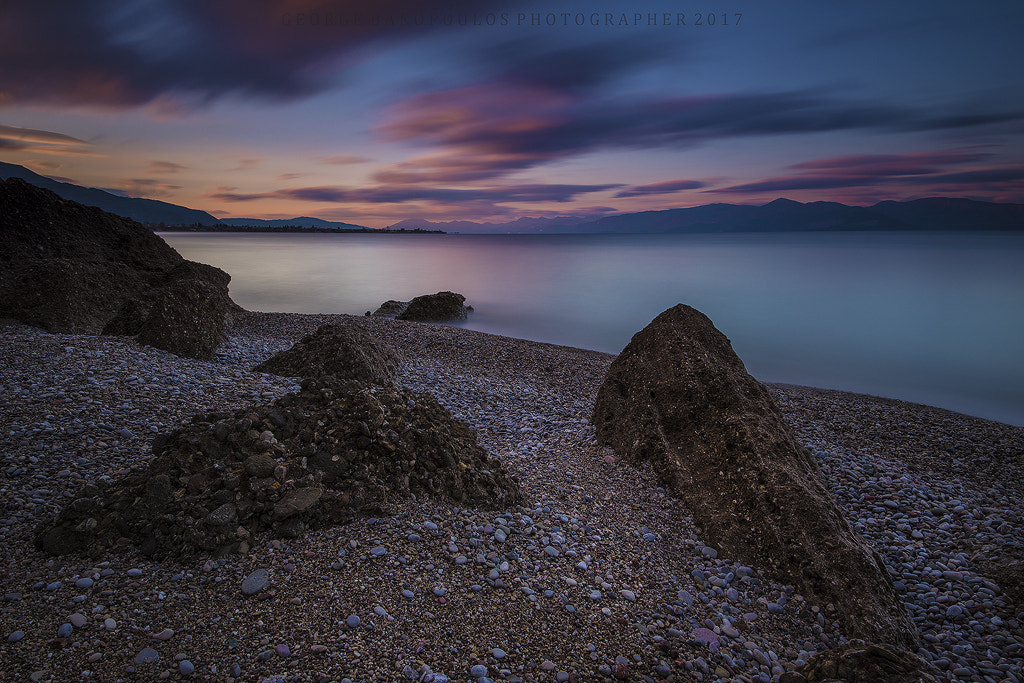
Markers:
point(935, 318)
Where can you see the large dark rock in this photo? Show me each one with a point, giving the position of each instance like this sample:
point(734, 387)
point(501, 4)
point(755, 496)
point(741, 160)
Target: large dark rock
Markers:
point(75, 269)
point(679, 397)
point(343, 350)
point(860, 662)
point(440, 307)
point(320, 457)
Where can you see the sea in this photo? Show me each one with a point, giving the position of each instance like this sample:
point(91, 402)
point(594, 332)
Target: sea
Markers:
point(934, 318)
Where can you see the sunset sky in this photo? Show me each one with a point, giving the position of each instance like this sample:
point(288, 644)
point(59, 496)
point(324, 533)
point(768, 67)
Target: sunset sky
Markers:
point(488, 111)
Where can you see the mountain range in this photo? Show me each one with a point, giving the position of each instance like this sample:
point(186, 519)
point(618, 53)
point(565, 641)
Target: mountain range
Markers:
point(781, 215)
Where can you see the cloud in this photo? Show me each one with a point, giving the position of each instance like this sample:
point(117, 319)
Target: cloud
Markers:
point(344, 159)
point(161, 167)
point(147, 187)
point(135, 52)
point(399, 194)
point(580, 68)
point(490, 129)
point(18, 139)
point(925, 169)
point(34, 135)
point(664, 187)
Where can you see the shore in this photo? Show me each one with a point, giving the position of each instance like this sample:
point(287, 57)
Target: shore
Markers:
point(598, 573)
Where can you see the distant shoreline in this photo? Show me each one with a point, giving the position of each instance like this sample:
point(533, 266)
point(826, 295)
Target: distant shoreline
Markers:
point(288, 228)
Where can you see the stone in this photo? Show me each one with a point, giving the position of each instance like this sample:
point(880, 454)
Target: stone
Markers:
point(185, 667)
point(296, 502)
point(860, 662)
point(391, 308)
point(147, 656)
point(260, 465)
point(65, 630)
point(342, 449)
point(187, 317)
point(165, 634)
point(679, 397)
point(478, 670)
point(255, 582)
point(352, 620)
point(345, 351)
point(78, 620)
point(440, 307)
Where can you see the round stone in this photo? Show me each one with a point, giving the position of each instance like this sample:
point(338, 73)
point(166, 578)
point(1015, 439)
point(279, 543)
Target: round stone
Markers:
point(379, 551)
point(109, 624)
point(283, 650)
point(147, 656)
point(185, 667)
point(478, 670)
point(84, 582)
point(498, 653)
point(352, 620)
point(255, 582)
point(65, 631)
point(78, 620)
point(15, 637)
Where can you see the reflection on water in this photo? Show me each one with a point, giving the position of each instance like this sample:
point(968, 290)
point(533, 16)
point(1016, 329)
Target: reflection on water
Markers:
point(934, 318)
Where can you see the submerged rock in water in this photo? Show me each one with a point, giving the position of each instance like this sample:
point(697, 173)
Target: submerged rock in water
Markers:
point(341, 449)
point(343, 350)
point(679, 397)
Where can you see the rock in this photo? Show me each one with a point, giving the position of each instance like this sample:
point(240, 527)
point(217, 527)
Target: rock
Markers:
point(349, 448)
point(440, 307)
point(188, 317)
point(391, 308)
point(255, 582)
point(352, 621)
point(679, 397)
point(343, 350)
point(860, 662)
point(69, 268)
point(147, 656)
point(296, 502)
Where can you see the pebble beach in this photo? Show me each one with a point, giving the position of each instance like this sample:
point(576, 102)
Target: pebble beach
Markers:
point(598, 575)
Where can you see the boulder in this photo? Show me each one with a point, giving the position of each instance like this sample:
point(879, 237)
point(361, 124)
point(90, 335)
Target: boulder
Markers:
point(860, 662)
point(335, 450)
point(440, 307)
point(391, 309)
point(344, 350)
point(76, 269)
point(679, 397)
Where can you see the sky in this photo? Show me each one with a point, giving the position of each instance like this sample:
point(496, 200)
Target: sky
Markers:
point(372, 113)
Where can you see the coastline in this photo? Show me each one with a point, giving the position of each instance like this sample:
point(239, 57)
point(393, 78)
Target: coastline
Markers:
point(936, 493)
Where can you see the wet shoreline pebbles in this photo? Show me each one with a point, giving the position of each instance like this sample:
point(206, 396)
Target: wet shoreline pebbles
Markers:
point(597, 575)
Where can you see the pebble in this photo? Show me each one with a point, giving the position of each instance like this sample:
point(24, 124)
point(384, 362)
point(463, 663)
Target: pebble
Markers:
point(147, 656)
point(165, 634)
point(255, 582)
point(352, 620)
point(606, 527)
point(185, 667)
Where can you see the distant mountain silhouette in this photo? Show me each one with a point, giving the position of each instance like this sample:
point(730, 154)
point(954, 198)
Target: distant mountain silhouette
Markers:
point(143, 210)
point(301, 221)
point(781, 215)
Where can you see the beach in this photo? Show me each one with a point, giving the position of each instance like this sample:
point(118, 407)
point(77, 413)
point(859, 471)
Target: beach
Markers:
point(599, 574)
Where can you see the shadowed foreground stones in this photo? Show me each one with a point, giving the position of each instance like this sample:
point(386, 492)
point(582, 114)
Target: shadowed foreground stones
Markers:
point(860, 662)
point(680, 397)
point(343, 350)
point(320, 457)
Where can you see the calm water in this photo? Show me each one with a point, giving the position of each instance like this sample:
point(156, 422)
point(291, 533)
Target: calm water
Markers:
point(932, 318)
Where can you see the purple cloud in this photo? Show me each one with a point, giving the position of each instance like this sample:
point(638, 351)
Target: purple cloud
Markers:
point(664, 187)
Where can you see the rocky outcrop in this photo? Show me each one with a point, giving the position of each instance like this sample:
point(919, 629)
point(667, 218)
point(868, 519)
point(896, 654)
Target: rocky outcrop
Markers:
point(70, 268)
point(860, 662)
point(679, 397)
point(440, 307)
point(316, 458)
point(343, 350)
point(390, 309)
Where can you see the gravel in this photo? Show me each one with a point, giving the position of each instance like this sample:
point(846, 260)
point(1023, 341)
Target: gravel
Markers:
point(599, 574)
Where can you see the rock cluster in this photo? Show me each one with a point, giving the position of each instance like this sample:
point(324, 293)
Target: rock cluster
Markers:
point(335, 450)
point(679, 397)
point(76, 269)
point(343, 350)
point(860, 662)
point(440, 307)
